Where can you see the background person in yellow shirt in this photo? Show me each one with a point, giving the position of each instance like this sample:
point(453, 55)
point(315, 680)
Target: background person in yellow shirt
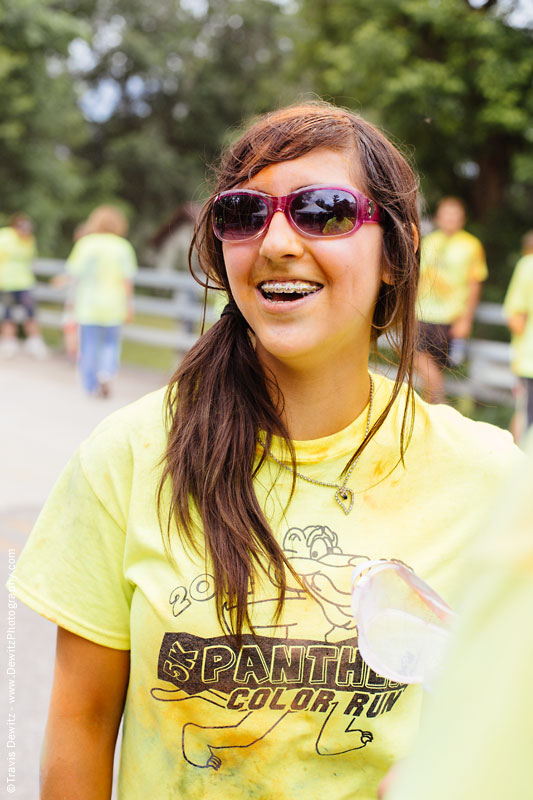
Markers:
point(452, 268)
point(518, 308)
point(102, 264)
point(17, 251)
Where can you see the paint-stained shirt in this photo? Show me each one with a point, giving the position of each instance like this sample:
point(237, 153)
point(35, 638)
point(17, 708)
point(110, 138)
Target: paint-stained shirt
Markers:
point(295, 711)
point(448, 265)
point(519, 300)
point(101, 264)
point(16, 258)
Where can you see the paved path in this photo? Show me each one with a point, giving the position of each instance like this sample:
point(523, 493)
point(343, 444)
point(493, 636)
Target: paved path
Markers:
point(44, 415)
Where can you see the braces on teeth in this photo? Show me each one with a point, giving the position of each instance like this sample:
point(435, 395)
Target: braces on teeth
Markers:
point(287, 287)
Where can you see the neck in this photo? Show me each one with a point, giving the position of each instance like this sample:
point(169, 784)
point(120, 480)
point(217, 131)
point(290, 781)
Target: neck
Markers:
point(321, 401)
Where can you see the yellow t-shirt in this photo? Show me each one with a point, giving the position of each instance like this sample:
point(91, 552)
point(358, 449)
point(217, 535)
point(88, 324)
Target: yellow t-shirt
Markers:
point(447, 265)
point(16, 257)
point(336, 226)
point(476, 741)
point(101, 264)
point(295, 712)
point(519, 300)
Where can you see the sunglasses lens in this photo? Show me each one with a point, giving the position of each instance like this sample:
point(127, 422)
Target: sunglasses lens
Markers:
point(324, 212)
point(239, 216)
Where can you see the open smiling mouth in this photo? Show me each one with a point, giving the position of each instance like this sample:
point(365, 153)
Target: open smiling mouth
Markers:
point(287, 291)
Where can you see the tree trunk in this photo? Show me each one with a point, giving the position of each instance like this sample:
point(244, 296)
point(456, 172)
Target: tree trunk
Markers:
point(494, 174)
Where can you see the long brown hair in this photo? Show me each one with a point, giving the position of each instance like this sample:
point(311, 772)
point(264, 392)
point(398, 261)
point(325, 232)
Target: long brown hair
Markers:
point(220, 397)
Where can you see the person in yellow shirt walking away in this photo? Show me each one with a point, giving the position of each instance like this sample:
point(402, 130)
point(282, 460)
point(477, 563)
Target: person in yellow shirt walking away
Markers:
point(17, 251)
point(452, 269)
point(102, 264)
point(518, 308)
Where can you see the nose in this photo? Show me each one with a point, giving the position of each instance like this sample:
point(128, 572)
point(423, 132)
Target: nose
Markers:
point(281, 240)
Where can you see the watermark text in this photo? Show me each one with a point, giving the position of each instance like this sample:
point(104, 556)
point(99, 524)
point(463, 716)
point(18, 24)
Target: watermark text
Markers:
point(11, 670)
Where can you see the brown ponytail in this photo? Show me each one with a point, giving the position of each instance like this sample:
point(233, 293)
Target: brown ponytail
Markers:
point(218, 401)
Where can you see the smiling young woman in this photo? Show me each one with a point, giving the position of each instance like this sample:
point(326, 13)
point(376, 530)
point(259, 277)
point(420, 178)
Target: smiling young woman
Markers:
point(198, 550)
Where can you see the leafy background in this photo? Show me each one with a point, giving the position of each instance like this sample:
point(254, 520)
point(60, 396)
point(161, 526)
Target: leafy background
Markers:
point(129, 101)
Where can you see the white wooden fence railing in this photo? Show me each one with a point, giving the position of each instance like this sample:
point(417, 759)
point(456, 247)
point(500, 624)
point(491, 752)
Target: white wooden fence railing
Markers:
point(489, 378)
point(183, 307)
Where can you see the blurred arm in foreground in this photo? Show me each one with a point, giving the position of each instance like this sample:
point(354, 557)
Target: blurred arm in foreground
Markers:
point(476, 738)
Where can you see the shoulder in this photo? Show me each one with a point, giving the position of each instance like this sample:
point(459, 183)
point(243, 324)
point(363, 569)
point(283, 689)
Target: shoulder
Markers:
point(453, 439)
point(446, 443)
point(525, 264)
point(85, 243)
point(118, 249)
point(6, 235)
point(126, 250)
point(432, 239)
point(468, 240)
point(95, 241)
point(117, 242)
point(126, 245)
point(432, 244)
point(130, 440)
point(133, 422)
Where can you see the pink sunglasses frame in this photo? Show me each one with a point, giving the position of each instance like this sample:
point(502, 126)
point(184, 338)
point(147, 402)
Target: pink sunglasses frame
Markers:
point(367, 211)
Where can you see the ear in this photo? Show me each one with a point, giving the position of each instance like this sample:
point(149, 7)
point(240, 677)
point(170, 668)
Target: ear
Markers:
point(386, 273)
point(416, 236)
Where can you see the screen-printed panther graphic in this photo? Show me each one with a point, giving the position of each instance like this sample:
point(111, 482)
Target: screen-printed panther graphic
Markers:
point(284, 670)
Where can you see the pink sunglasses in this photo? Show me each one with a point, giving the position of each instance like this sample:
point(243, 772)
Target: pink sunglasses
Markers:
point(318, 211)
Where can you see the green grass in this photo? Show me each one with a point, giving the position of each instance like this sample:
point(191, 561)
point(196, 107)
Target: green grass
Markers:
point(162, 359)
point(53, 338)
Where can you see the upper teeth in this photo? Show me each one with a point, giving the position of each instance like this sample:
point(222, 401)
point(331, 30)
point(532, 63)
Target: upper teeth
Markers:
point(302, 287)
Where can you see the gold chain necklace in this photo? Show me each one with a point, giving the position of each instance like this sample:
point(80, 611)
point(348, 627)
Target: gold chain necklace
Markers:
point(343, 495)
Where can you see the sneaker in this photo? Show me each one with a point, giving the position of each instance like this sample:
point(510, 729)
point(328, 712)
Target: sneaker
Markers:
point(35, 347)
point(104, 389)
point(9, 347)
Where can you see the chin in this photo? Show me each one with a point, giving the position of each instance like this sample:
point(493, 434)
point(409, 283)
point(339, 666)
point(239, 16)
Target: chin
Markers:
point(303, 355)
point(281, 350)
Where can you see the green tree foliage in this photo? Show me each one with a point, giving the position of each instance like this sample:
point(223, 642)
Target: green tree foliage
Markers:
point(128, 100)
point(180, 75)
point(453, 82)
point(40, 123)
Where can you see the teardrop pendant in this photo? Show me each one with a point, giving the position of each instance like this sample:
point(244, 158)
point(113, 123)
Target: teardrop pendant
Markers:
point(344, 498)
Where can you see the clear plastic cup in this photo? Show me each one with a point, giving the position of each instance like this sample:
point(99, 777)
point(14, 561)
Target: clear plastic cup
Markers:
point(402, 624)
